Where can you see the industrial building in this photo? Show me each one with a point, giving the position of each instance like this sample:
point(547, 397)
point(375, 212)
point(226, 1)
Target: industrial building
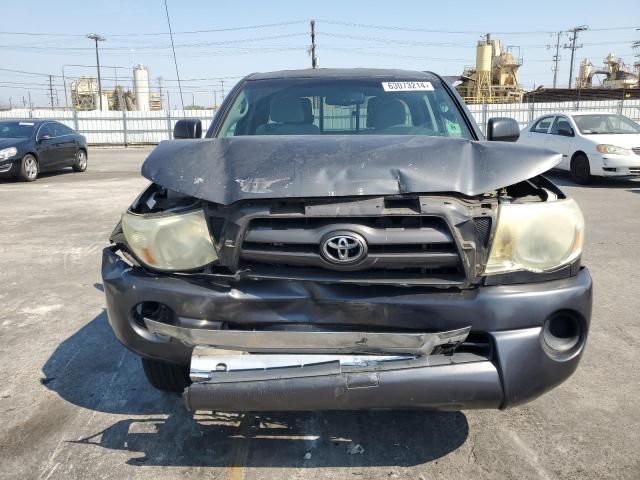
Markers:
point(616, 74)
point(85, 94)
point(494, 78)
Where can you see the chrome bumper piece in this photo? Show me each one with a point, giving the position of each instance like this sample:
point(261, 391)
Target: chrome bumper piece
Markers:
point(288, 342)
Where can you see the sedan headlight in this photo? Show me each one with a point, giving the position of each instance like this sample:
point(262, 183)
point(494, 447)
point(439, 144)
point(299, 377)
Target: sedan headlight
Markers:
point(537, 237)
point(612, 149)
point(170, 241)
point(7, 153)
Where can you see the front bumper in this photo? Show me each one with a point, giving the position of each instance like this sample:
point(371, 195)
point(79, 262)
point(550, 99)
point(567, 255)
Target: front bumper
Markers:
point(9, 168)
point(620, 165)
point(517, 369)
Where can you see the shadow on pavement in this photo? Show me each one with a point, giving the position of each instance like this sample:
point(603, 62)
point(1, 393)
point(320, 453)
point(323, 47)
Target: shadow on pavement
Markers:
point(92, 370)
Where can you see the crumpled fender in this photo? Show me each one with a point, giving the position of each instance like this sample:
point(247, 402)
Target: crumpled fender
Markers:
point(225, 170)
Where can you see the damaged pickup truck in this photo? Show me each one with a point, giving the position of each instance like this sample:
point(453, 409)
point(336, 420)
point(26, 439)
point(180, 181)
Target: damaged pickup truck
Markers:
point(348, 239)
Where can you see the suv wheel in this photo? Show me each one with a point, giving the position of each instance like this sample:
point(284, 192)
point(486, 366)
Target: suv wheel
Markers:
point(28, 168)
point(580, 169)
point(80, 163)
point(166, 376)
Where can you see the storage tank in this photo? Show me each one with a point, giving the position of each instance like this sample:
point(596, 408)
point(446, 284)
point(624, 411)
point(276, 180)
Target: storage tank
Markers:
point(483, 57)
point(141, 87)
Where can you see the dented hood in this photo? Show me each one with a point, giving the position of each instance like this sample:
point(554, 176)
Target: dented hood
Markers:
point(226, 170)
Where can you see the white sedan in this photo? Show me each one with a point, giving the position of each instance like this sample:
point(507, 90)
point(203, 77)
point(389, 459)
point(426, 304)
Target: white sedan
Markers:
point(601, 144)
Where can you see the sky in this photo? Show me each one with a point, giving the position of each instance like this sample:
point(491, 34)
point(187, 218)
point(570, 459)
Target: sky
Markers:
point(218, 42)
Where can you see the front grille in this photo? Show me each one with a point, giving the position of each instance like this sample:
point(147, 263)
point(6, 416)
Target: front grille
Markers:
point(636, 150)
point(483, 230)
point(634, 170)
point(417, 249)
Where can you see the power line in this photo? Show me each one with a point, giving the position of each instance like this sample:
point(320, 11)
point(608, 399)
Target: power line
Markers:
point(175, 60)
point(24, 72)
point(161, 47)
point(461, 32)
point(149, 34)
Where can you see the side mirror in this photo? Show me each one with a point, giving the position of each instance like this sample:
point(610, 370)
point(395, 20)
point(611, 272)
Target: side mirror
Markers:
point(566, 132)
point(502, 129)
point(45, 137)
point(188, 128)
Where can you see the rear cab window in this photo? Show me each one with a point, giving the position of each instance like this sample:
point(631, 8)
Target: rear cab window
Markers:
point(331, 106)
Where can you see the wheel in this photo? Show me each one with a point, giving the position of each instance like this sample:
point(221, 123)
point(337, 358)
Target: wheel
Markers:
point(580, 169)
point(166, 376)
point(80, 163)
point(28, 168)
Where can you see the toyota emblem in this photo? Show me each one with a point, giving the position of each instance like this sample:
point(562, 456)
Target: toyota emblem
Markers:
point(344, 248)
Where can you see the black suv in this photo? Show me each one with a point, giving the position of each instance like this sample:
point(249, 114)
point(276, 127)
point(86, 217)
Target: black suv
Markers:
point(346, 239)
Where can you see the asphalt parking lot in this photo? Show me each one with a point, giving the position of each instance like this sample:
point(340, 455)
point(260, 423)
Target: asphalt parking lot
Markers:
point(74, 404)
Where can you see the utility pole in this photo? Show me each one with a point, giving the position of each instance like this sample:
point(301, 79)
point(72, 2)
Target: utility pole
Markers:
point(51, 90)
point(222, 88)
point(98, 38)
point(215, 99)
point(312, 50)
point(160, 89)
point(30, 104)
point(573, 47)
point(556, 59)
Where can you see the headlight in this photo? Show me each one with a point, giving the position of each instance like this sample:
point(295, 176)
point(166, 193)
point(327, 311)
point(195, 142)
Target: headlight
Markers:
point(7, 153)
point(170, 241)
point(613, 150)
point(537, 237)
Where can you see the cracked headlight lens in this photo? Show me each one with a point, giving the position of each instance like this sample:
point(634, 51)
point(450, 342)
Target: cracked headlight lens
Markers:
point(170, 241)
point(538, 237)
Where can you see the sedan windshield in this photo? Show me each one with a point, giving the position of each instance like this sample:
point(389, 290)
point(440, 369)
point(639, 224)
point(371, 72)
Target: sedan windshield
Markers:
point(16, 129)
point(605, 124)
point(344, 107)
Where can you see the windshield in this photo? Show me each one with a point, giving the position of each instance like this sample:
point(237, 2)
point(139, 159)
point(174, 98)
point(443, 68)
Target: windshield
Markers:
point(605, 124)
point(344, 107)
point(16, 129)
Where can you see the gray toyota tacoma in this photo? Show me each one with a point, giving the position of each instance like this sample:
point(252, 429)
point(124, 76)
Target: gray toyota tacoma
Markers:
point(349, 239)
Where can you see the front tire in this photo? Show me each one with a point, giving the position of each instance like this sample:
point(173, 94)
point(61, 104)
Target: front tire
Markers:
point(580, 169)
point(80, 163)
point(28, 168)
point(166, 376)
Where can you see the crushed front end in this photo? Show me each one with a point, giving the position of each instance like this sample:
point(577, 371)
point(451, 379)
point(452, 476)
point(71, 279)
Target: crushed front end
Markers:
point(350, 302)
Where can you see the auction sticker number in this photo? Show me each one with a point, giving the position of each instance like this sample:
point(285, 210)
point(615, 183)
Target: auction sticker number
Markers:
point(407, 86)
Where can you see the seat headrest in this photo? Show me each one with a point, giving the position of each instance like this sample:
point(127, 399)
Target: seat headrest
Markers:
point(307, 110)
point(387, 112)
point(371, 107)
point(287, 110)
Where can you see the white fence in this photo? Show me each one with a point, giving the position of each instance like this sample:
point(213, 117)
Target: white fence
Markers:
point(118, 128)
point(137, 128)
point(524, 113)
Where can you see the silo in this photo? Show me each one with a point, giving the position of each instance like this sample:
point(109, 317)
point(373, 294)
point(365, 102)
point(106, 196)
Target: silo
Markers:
point(484, 56)
point(141, 87)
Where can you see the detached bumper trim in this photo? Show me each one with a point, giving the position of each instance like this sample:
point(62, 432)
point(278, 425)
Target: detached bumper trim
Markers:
point(311, 342)
point(447, 387)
